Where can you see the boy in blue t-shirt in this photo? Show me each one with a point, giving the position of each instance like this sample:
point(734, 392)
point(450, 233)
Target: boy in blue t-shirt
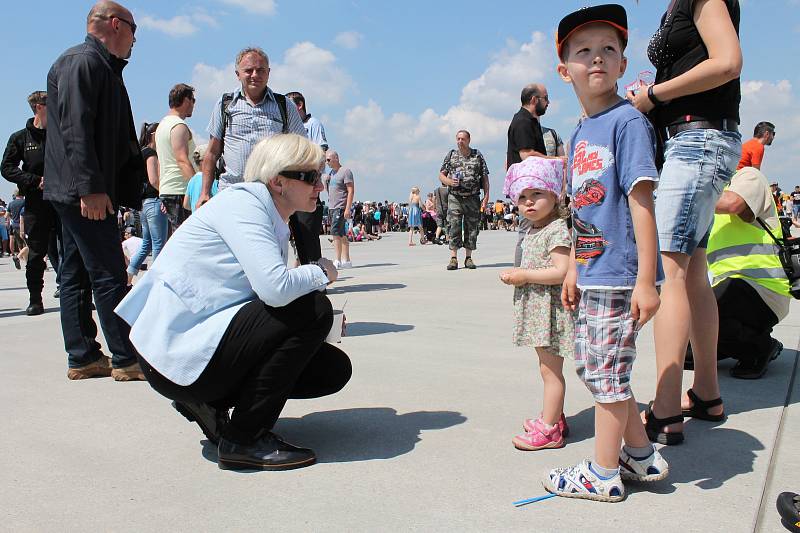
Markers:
point(615, 266)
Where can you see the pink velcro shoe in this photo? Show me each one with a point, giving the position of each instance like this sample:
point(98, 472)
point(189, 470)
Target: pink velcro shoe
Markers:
point(531, 425)
point(539, 439)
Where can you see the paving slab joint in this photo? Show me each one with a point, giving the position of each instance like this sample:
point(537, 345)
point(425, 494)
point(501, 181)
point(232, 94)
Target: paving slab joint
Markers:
point(759, 515)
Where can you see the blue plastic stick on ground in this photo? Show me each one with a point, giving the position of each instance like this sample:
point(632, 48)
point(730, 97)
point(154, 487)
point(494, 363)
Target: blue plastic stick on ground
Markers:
point(533, 500)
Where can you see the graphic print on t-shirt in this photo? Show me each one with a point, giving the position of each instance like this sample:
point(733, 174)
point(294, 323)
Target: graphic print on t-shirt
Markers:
point(588, 164)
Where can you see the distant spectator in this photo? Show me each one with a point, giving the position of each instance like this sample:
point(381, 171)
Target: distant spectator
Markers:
point(753, 150)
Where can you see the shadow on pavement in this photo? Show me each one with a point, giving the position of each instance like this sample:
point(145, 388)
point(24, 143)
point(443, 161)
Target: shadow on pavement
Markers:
point(362, 434)
point(361, 329)
point(21, 312)
point(375, 265)
point(358, 434)
point(708, 459)
point(743, 395)
point(367, 287)
point(496, 265)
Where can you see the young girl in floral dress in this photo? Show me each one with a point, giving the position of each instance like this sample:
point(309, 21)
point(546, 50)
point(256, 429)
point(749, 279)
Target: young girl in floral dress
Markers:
point(540, 320)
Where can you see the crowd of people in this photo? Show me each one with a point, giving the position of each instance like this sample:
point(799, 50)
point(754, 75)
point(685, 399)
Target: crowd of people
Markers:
point(227, 330)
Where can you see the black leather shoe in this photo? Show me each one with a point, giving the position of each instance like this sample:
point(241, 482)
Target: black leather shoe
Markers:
point(788, 505)
point(210, 420)
point(756, 368)
point(34, 309)
point(269, 452)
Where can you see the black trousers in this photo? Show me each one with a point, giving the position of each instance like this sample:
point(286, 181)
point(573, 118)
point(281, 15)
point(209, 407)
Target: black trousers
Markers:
point(176, 214)
point(39, 226)
point(306, 229)
point(55, 249)
point(266, 356)
point(745, 321)
point(92, 262)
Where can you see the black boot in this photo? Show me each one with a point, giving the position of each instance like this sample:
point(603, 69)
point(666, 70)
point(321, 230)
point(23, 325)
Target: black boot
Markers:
point(35, 308)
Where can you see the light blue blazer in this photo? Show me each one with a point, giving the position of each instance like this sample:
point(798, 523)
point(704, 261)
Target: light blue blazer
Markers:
point(229, 253)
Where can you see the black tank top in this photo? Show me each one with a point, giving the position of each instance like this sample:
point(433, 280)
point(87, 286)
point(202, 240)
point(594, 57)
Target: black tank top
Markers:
point(149, 191)
point(677, 48)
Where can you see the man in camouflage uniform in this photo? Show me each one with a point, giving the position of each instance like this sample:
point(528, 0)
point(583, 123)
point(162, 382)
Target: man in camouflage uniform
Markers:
point(465, 173)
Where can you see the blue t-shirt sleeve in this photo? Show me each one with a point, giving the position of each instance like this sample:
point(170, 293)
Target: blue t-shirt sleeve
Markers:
point(635, 153)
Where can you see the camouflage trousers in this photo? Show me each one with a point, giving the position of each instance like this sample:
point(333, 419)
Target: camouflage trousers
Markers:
point(463, 221)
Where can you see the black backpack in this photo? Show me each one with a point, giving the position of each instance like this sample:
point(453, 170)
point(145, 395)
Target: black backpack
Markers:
point(227, 98)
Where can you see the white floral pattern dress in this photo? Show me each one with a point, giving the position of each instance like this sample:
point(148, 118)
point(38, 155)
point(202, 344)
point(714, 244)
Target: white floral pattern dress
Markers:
point(539, 318)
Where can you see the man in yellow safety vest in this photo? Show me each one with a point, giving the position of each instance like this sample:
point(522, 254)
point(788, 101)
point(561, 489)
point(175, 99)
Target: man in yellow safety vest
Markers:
point(749, 282)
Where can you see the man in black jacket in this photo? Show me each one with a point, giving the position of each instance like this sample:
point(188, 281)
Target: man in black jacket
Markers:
point(93, 165)
point(26, 146)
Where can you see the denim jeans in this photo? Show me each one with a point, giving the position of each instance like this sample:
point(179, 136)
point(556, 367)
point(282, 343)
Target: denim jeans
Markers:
point(154, 233)
point(698, 165)
point(93, 262)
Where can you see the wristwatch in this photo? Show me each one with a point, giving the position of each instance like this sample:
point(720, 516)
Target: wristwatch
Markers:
point(324, 270)
point(656, 102)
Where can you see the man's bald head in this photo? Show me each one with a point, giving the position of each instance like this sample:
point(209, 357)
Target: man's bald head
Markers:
point(104, 10)
point(332, 158)
point(112, 24)
point(534, 98)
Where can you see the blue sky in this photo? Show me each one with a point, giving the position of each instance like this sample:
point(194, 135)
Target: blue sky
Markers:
point(391, 81)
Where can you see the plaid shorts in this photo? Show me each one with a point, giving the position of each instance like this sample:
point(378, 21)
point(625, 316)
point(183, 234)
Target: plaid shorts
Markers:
point(605, 344)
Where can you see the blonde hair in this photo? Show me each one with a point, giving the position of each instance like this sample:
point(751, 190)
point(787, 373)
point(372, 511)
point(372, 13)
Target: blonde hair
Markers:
point(287, 151)
point(415, 189)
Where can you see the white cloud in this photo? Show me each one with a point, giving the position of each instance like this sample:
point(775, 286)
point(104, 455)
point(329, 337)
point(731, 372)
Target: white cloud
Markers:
point(348, 39)
point(259, 7)
point(401, 150)
point(179, 25)
point(305, 67)
point(314, 72)
point(211, 82)
point(773, 101)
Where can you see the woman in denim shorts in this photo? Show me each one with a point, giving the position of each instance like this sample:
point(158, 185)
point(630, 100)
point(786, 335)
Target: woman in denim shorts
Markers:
point(694, 104)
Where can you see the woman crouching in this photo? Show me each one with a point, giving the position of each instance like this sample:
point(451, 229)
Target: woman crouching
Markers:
point(220, 322)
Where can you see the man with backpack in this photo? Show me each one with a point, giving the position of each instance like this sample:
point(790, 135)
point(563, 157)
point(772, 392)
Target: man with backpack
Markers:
point(242, 118)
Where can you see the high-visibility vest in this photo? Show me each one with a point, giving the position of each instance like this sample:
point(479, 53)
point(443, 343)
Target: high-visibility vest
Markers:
point(737, 249)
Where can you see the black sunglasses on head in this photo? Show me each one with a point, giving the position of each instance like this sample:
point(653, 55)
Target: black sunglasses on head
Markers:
point(312, 177)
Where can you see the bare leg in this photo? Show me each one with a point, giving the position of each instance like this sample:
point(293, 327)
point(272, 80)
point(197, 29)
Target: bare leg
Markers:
point(704, 330)
point(610, 422)
point(551, 368)
point(635, 435)
point(337, 245)
point(345, 249)
point(671, 327)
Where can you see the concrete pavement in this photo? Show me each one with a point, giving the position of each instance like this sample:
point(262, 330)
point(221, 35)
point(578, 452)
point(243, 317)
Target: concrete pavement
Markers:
point(419, 440)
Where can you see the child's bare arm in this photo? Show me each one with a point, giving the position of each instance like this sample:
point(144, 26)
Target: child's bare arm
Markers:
point(570, 294)
point(644, 300)
point(543, 276)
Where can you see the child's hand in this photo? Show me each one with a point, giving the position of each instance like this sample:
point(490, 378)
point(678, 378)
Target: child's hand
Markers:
point(570, 294)
point(514, 276)
point(644, 304)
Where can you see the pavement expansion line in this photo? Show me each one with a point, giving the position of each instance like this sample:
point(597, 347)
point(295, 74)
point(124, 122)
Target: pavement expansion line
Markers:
point(778, 432)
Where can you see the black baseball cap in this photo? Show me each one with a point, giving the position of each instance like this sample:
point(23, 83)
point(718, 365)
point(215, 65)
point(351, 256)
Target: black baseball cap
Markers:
point(613, 14)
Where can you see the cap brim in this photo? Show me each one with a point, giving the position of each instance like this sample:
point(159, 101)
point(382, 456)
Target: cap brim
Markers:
point(611, 14)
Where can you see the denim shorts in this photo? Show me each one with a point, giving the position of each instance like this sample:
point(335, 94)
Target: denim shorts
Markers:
point(699, 165)
point(338, 223)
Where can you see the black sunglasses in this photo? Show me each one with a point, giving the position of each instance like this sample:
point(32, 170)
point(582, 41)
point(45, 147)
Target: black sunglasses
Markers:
point(312, 177)
point(128, 22)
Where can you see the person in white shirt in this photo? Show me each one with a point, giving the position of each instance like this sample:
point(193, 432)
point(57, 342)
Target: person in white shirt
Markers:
point(220, 322)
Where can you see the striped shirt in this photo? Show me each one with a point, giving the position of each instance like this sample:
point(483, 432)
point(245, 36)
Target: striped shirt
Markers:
point(248, 124)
